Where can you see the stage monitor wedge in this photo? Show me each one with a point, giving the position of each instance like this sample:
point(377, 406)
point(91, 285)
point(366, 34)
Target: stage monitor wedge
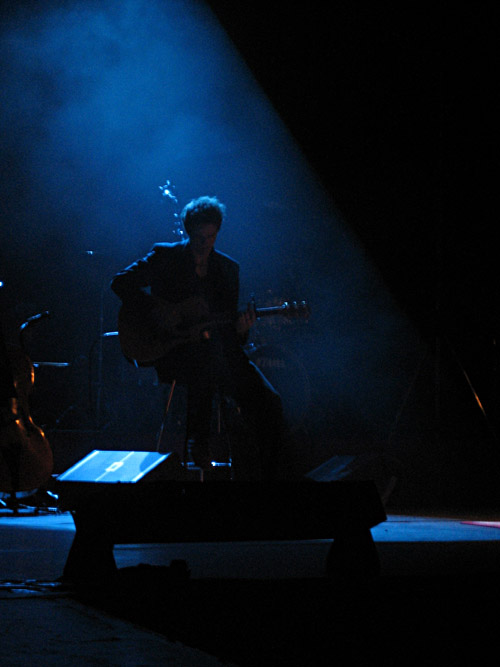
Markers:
point(105, 468)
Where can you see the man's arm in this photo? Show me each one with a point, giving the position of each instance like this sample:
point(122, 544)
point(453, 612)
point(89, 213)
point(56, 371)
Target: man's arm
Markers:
point(131, 284)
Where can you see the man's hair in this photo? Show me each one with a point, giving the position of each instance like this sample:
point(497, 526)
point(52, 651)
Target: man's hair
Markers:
point(203, 211)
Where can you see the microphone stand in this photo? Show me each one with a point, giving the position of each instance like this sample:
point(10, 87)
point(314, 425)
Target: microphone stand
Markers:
point(98, 383)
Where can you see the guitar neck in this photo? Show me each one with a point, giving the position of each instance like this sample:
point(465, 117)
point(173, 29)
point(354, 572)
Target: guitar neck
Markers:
point(291, 310)
point(271, 310)
point(260, 312)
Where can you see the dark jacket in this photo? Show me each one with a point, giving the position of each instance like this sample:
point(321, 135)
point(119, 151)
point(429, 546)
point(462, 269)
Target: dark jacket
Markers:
point(169, 271)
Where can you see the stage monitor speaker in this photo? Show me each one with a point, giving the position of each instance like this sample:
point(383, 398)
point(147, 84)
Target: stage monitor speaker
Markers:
point(101, 469)
point(374, 467)
point(121, 466)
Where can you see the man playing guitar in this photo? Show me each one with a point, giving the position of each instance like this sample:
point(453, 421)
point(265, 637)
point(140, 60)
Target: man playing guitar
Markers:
point(180, 314)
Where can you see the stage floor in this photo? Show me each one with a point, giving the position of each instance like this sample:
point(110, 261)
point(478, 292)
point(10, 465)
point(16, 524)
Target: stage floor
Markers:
point(35, 547)
point(43, 621)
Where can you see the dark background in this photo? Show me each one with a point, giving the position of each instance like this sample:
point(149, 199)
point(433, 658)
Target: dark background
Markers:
point(394, 106)
point(404, 96)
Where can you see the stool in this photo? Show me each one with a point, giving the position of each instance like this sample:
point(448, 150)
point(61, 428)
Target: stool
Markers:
point(219, 469)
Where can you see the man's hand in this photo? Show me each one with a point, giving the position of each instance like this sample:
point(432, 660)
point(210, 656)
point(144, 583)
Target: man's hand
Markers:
point(246, 320)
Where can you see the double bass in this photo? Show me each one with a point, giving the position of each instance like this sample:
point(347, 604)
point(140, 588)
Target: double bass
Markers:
point(26, 460)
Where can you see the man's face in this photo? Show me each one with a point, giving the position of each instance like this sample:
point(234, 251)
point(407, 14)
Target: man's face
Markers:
point(202, 239)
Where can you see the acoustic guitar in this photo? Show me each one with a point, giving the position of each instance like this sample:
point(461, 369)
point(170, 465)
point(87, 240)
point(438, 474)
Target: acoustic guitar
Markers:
point(26, 459)
point(152, 330)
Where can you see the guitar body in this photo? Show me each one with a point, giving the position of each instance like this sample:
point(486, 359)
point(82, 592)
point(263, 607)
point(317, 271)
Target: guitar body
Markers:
point(25, 455)
point(26, 460)
point(153, 329)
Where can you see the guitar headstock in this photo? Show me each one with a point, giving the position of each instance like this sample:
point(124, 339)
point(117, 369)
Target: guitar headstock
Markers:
point(296, 309)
